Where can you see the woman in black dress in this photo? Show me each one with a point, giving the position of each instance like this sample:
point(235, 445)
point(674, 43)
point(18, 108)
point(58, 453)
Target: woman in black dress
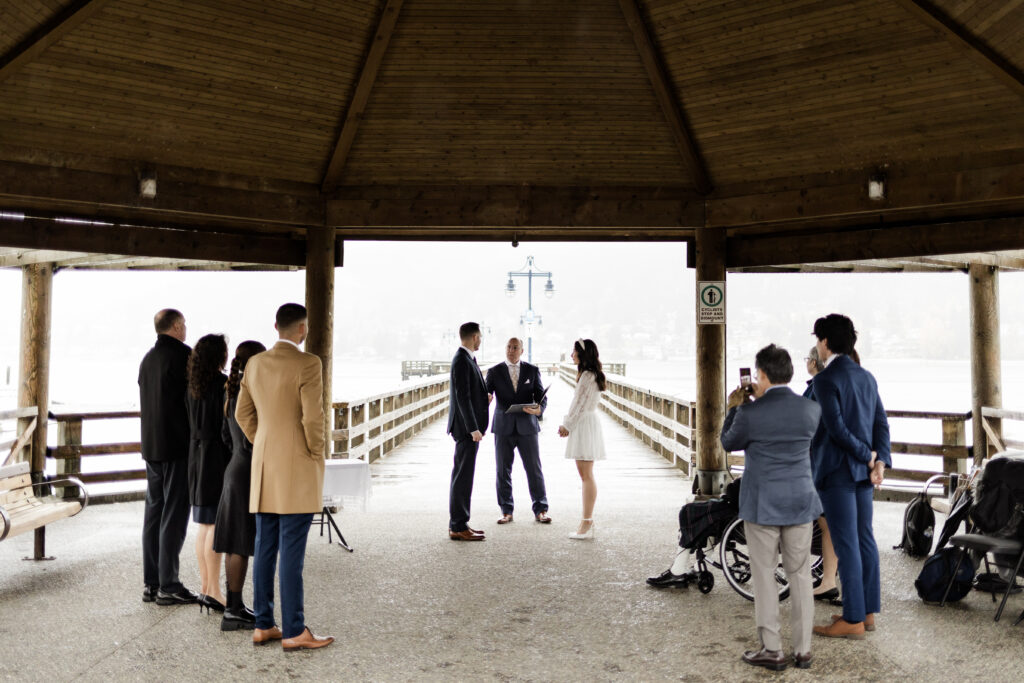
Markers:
point(207, 456)
point(235, 531)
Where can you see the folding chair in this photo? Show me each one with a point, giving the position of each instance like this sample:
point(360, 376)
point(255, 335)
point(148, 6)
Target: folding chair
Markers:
point(985, 545)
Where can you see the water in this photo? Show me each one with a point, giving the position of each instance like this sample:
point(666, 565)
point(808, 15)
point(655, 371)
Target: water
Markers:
point(85, 383)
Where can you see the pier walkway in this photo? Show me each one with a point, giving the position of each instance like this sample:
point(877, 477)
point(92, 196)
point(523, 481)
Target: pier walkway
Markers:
point(527, 604)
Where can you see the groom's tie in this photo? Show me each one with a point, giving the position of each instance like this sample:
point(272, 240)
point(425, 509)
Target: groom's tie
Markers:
point(515, 377)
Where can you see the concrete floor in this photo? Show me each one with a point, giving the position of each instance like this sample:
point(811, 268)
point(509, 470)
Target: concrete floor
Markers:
point(527, 604)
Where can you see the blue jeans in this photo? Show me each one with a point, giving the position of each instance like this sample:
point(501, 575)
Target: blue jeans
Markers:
point(285, 535)
point(848, 511)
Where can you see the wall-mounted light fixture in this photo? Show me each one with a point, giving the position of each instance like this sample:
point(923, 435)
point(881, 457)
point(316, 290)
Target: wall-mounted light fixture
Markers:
point(147, 187)
point(876, 187)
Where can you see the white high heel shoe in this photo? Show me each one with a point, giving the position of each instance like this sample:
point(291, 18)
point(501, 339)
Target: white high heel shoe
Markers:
point(589, 534)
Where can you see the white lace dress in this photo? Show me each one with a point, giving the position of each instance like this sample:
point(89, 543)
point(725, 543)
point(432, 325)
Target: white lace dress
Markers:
point(585, 439)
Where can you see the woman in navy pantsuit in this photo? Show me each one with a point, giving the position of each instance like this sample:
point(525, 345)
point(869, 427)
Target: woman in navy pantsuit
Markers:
point(849, 454)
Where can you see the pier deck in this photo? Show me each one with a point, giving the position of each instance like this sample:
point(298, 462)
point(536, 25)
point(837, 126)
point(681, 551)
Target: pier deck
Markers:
point(527, 604)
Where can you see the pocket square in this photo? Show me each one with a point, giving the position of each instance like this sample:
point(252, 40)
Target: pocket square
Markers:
point(526, 382)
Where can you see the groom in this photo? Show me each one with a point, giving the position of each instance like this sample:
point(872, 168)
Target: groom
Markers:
point(517, 382)
point(467, 422)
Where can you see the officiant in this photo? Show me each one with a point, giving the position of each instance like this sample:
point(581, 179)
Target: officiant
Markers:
point(516, 385)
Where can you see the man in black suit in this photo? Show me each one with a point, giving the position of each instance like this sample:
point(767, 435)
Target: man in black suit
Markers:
point(516, 382)
point(467, 422)
point(165, 437)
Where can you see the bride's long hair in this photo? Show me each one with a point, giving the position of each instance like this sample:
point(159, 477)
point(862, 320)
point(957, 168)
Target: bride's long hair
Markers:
point(586, 352)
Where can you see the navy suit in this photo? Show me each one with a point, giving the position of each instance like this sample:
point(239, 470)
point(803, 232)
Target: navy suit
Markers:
point(467, 413)
point(518, 430)
point(853, 423)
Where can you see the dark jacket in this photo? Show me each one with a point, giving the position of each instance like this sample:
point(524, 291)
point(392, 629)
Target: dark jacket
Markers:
point(467, 410)
point(853, 421)
point(530, 390)
point(775, 434)
point(232, 435)
point(162, 388)
point(208, 454)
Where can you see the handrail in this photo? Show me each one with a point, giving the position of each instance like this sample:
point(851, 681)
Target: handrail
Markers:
point(371, 427)
point(991, 424)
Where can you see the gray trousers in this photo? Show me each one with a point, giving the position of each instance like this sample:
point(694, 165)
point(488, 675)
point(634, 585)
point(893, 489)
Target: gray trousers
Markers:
point(794, 542)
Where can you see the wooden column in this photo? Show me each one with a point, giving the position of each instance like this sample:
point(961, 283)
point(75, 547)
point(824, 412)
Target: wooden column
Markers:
point(34, 367)
point(986, 374)
point(711, 461)
point(320, 307)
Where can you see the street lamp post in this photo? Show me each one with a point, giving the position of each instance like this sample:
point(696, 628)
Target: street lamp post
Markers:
point(530, 318)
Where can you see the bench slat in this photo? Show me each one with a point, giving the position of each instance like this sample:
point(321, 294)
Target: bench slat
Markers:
point(41, 516)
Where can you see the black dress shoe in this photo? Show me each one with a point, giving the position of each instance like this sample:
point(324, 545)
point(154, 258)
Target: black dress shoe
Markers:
point(667, 578)
point(182, 596)
point(769, 659)
point(829, 595)
point(802, 661)
point(149, 593)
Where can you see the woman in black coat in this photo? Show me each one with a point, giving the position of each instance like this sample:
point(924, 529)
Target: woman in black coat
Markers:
point(207, 456)
point(235, 530)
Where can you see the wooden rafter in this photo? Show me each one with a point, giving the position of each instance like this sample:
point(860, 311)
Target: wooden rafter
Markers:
point(46, 35)
point(666, 95)
point(968, 43)
point(361, 95)
point(28, 257)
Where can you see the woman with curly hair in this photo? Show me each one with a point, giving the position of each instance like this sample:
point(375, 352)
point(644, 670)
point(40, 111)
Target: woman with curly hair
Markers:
point(581, 425)
point(207, 456)
point(235, 530)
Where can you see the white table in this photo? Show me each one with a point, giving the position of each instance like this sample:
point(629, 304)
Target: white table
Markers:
point(345, 481)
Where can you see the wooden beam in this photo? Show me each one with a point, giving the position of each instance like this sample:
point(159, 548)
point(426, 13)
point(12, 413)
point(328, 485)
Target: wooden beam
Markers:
point(320, 263)
point(913, 192)
point(130, 240)
point(986, 357)
point(232, 202)
point(361, 95)
point(18, 258)
point(712, 465)
point(46, 35)
point(667, 96)
point(869, 242)
point(969, 44)
point(513, 207)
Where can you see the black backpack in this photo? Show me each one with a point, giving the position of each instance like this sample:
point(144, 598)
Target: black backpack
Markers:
point(918, 526)
point(935, 573)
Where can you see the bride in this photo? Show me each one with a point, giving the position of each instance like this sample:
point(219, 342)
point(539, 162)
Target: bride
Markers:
point(581, 425)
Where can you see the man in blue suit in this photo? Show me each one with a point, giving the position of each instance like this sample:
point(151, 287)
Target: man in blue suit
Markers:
point(467, 422)
point(516, 382)
point(778, 502)
point(849, 453)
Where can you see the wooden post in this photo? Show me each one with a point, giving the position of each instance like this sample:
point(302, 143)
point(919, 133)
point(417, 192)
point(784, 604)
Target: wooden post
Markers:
point(69, 433)
point(320, 307)
point(986, 374)
point(711, 463)
point(34, 370)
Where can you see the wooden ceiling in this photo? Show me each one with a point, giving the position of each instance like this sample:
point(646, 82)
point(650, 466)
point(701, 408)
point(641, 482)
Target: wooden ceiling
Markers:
point(488, 120)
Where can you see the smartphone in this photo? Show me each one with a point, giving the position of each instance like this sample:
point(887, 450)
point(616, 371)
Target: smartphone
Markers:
point(745, 380)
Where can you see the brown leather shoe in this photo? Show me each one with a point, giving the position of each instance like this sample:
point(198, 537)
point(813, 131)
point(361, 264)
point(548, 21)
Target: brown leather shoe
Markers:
point(306, 641)
point(505, 518)
point(869, 621)
point(543, 518)
point(841, 628)
point(466, 535)
point(769, 659)
point(476, 531)
point(802, 661)
point(262, 636)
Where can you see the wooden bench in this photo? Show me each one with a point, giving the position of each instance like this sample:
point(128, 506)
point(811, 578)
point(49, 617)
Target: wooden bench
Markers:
point(21, 510)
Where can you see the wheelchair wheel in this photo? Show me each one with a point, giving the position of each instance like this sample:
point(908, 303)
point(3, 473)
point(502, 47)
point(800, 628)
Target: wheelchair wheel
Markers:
point(735, 560)
point(705, 582)
point(817, 562)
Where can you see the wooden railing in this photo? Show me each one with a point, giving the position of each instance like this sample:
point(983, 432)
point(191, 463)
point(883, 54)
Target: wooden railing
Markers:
point(663, 422)
point(991, 422)
point(11, 449)
point(369, 428)
point(424, 368)
point(70, 450)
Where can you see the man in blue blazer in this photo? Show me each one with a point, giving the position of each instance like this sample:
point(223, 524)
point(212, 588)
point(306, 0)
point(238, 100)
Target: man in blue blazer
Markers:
point(849, 453)
point(467, 422)
point(778, 502)
point(517, 382)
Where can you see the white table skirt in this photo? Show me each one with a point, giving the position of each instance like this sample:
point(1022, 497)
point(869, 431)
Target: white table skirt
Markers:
point(346, 481)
